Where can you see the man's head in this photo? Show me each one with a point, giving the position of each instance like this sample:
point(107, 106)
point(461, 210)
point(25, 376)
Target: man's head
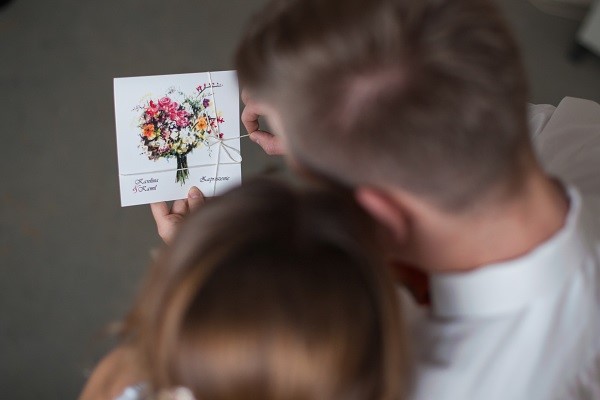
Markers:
point(427, 96)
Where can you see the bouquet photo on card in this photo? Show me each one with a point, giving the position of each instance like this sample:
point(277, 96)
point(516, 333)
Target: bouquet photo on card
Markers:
point(172, 129)
point(177, 131)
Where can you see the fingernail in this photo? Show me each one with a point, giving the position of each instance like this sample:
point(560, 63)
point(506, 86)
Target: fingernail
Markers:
point(194, 193)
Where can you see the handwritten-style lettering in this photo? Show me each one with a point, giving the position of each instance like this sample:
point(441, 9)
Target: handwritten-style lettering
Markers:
point(144, 185)
point(212, 178)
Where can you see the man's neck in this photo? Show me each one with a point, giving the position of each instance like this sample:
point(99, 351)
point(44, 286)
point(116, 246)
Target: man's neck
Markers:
point(506, 231)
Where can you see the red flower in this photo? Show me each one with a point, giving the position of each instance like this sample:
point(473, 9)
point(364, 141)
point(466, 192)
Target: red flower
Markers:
point(164, 102)
point(152, 109)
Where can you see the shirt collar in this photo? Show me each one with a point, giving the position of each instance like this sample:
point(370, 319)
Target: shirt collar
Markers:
point(508, 286)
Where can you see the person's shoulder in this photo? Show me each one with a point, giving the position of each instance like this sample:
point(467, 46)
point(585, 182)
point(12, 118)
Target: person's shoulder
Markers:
point(572, 109)
point(571, 114)
point(568, 144)
point(538, 116)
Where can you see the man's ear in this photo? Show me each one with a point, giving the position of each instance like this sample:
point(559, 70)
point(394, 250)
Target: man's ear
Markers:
point(385, 208)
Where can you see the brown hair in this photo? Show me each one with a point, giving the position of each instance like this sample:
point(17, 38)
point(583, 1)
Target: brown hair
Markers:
point(268, 293)
point(427, 95)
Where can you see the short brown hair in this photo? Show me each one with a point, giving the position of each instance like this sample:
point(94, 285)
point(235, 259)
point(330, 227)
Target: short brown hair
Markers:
point(427, 95)
point(272, 294)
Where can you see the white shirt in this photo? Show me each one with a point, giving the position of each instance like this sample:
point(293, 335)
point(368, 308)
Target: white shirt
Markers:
point(528, 328)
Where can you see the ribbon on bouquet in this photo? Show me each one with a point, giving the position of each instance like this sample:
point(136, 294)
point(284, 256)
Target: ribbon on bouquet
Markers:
point(235, 156)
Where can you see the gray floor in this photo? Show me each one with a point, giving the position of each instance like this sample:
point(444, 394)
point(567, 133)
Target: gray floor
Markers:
point(70, 257)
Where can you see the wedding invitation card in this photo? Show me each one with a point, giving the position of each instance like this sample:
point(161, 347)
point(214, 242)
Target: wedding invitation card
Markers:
point(175, 132)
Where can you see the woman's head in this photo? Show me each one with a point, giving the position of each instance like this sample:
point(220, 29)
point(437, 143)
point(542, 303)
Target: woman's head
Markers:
point(271, 293)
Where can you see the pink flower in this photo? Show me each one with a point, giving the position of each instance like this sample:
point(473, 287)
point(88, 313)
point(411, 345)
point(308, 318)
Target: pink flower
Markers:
point(152, 109)
point(164, 102)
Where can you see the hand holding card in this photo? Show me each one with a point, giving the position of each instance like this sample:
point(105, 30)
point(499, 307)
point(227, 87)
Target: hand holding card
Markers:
point(168, 218)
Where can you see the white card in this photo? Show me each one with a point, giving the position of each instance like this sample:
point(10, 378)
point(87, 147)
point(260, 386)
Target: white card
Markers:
point(175, 132)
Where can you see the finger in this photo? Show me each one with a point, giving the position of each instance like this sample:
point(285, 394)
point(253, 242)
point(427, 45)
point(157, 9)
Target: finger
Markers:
point(179, 207)
point(195, 198)
point(271, 144)
point(159, 211)
point(250, 118)
point(245, 96)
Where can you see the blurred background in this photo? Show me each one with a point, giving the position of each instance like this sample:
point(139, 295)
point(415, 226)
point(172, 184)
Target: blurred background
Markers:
point(70, 256)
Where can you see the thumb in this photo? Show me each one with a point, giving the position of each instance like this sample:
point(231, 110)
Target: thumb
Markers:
point(271, 144)
point(195, 198)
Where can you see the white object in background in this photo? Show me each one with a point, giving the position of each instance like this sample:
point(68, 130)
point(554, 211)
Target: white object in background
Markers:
point(589, 33)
